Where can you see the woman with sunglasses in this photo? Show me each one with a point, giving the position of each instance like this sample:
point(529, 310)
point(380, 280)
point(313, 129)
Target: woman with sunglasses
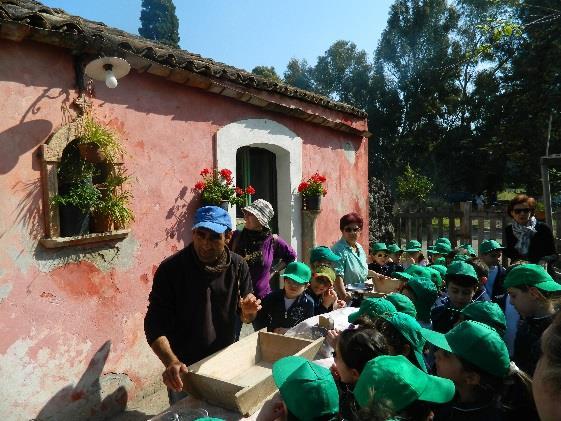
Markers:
point(526, 238)
point(352, 268)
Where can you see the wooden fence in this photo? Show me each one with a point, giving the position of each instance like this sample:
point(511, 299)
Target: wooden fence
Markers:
point(461, 224)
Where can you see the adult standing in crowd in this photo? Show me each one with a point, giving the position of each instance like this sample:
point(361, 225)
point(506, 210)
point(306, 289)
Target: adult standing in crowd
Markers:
point(260, 247)
point(195, 297)
point(352, 268)
point(526, 238)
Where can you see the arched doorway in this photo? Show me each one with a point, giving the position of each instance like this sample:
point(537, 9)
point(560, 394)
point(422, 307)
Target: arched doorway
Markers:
point(286, 146)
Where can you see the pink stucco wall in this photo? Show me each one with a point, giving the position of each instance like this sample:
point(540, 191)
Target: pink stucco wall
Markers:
point(71, 336)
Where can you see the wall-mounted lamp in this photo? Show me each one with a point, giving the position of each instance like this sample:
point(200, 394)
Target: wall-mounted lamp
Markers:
point(108, 69)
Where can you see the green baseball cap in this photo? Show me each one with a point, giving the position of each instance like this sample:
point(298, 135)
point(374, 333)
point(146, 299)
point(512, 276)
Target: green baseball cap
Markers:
point(488, 246)
point(298, 272)
point(440, 261)
point(462, 269)
point(379, 247)
point(412, 332)
point(307, 389)
point(394, 248)
point(373, 308)
point(470, 250)
point(443, 240)
point(425, 295)
point(323, 253)
point(412, 246)
point(461, 257)
point(396, 381)
point(531, 275)
point(442, 248)
point(475, 342)
point(325, 272)
point(486, 312)
point(402, 303)
point(418, 271)
point(402, 275)
point(440, 269)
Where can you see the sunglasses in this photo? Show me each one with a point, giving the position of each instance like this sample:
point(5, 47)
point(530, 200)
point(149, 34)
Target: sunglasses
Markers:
point(350, 229)
point(322, 280)
point(521, 210)
point(381, 255)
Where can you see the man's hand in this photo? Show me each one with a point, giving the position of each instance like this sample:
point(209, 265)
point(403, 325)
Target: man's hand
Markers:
point(249, 306)
point(329, 298)
point(171, 376)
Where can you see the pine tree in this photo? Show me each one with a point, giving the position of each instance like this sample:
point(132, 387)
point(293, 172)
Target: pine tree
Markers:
point(159, 22)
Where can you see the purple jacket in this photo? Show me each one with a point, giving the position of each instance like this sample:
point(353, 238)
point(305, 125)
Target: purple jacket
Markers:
point(274, 248)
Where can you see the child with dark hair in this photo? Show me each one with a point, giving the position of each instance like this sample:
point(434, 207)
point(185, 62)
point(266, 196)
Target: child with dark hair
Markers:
point(391, 387)
point(354, 348)
point(462, 284)
point(475, 358)
point(423, 293)
point(532, 292)
point(547, 376)
point(321, 291)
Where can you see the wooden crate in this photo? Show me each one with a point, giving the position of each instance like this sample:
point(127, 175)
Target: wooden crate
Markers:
point(239, 377)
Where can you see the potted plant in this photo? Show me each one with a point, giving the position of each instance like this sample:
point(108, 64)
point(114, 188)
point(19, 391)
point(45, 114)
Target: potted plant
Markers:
point(112, 210)
point(217, 188)
point(97, 142)
point(539, 213)
point(312, 190)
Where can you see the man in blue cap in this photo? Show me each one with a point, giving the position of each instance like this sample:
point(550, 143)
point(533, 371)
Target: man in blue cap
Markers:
point(195, 297)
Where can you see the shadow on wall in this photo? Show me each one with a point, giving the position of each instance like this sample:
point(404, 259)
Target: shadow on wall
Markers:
point(181, 214)
point(95, 396)
point(18, 140)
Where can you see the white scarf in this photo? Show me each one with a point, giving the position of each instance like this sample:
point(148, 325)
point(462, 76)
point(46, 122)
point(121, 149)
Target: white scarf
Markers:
point(524, 234)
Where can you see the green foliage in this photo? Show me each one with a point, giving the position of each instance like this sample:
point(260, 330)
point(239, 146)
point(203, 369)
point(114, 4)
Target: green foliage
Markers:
point(266, 72)
point(83, 195)
point(218, 186)
point(413, 186)
point(159, 22)
point(299, 74)
point(92, 131)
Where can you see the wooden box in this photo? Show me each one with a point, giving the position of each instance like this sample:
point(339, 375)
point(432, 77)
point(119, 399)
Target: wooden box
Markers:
point(239, 377)
point(386, 284)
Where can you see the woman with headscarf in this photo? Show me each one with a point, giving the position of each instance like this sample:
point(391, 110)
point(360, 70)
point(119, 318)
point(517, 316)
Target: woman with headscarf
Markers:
point(260, 247)
point(526, 238)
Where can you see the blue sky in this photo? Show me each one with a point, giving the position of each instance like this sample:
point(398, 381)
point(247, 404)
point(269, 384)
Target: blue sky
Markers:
point(247, 33)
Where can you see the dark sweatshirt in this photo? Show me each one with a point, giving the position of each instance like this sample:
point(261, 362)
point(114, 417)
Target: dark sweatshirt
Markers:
point(273, 313)
point(196, 310)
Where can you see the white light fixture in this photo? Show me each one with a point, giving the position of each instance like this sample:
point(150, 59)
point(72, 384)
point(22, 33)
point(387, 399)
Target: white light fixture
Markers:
point(108, 69)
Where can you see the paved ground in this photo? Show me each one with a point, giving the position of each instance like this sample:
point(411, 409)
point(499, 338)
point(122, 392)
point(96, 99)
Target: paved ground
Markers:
point(158, 402)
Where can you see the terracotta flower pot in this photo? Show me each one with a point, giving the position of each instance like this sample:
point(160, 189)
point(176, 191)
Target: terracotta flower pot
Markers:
point(100, 223)
point(91, 152)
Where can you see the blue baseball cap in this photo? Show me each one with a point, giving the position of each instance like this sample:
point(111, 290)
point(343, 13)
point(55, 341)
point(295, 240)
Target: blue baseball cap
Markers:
point(213, 218)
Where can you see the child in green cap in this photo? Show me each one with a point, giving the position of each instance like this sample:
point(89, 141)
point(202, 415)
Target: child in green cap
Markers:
point(354, 348)
point(404, 336)
point(285, 308)
point(462, 285)
point(321, 291)
point(532, 291)
point(402, 303)
point(413, 254)
point(322, 256)
point(379, 259)
point(474, 356)
point(485, 312)
point(490, 251)
point(392, 388)
point(307, 390)
point(394, 257)
point(423, 293)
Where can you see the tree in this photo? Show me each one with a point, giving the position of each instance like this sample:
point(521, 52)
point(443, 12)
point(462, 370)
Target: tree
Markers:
point(299, 74)
point(380, 222)
point(268, 72)
point(159, 22)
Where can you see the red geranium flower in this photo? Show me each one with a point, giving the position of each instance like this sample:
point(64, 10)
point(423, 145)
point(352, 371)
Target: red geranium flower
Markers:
point(200, 186)
point(239, 191)
point(250, 190)
point(303, 186)
point(206, 171)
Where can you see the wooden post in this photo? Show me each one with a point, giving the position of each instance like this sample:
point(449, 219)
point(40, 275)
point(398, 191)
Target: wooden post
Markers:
point(480, 229)
point(465, 222)
point(546, 191)
point(429, 229)
point(493, 227)
point(452, 227)
point(397, 226)
point(409, 228)
point(440, 226)
point(308, 233)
